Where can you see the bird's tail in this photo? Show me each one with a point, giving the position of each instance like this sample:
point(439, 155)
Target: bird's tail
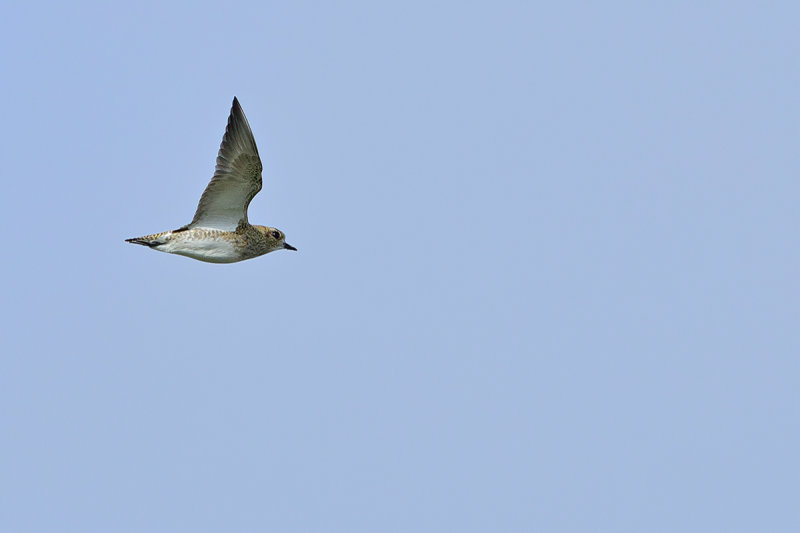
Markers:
point(152, 241)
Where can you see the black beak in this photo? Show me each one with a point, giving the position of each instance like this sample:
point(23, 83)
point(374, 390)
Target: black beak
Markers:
point(289, 246)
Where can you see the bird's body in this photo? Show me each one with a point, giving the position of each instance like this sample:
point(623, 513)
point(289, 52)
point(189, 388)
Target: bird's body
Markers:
point(214, 245)
point(220, 232)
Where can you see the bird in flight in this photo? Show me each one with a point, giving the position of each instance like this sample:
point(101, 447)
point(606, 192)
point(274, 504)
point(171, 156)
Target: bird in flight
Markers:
point(219, 231)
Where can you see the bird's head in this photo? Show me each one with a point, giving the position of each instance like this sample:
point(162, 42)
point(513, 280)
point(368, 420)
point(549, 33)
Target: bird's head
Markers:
point(276, 240)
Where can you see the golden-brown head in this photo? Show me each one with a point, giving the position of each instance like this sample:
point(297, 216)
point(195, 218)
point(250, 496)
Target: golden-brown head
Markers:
point(276, 240)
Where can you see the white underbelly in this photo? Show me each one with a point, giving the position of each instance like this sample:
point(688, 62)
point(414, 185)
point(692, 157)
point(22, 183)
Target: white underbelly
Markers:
point(211, 250)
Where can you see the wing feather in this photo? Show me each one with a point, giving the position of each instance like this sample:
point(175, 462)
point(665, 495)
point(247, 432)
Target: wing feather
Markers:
point(237, 177)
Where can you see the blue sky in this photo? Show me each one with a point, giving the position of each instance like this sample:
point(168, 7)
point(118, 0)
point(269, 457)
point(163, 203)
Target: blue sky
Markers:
point(546, 279)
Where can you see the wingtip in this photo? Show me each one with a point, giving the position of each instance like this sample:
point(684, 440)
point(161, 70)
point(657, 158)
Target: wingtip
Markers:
point(236, 108)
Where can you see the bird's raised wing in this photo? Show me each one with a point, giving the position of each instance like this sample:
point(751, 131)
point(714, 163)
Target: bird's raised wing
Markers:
point(237, 177)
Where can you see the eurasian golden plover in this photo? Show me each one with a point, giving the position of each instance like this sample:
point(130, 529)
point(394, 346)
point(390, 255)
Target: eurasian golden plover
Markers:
point(220, 232)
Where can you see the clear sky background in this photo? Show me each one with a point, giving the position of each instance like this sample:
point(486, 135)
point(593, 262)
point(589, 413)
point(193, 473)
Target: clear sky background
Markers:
point(547, 277)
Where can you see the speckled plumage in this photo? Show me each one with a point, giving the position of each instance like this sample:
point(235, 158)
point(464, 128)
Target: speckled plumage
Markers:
point(220, 231)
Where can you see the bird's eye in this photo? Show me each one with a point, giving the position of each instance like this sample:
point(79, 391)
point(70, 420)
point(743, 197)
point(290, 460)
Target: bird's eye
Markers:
point(276, 234)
